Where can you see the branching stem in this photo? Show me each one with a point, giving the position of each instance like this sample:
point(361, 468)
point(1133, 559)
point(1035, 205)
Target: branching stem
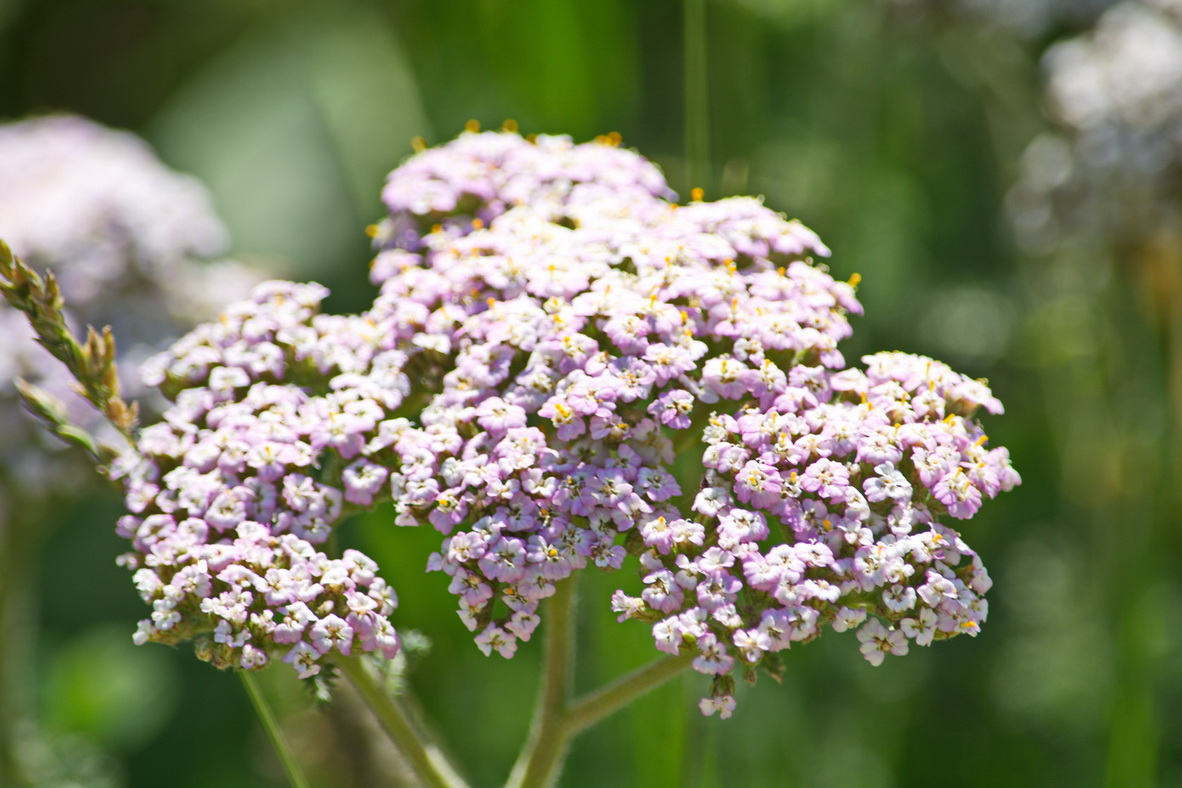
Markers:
point(557, 718)
point(542, 757)
point(605, 701)
point(425, 760)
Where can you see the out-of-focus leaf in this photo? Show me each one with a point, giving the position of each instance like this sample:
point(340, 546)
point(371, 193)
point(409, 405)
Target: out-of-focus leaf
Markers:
point(367, 98)
point(106, 688)
point(250, 125)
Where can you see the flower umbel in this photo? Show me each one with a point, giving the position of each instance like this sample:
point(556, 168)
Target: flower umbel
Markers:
point(553, 343)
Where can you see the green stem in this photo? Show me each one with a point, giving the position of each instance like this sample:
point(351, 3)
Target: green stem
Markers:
point(541, 760)
point(291, 767)
point(605, 701)
point(424, 759)
point(558, 719)
point(18, 559)
point(697, 119)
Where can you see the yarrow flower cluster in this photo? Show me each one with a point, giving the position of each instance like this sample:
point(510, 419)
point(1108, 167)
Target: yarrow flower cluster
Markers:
point(1027, 19)
point(128, 239)
point(562, 368)
point(480, 176)
point(248, 472)
point(1124, 74)
point(1116, 94)
point(819, 507)
point(98, 207)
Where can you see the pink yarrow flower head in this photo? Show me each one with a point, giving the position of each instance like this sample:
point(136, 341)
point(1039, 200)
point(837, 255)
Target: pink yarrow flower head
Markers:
point(577, 374)
point(438, 193)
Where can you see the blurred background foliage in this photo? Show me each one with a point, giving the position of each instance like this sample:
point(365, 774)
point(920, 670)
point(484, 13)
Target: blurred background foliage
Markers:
point(915, 136)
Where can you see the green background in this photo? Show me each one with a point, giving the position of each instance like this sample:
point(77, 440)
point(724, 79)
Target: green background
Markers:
point(895, 134)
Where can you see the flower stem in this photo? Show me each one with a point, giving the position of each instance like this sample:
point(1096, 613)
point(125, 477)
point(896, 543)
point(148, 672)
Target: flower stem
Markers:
point(291, 767)
point(541, 760)
point(606, 700)
point(697, 118)
point(424, 759)
point(558, 719)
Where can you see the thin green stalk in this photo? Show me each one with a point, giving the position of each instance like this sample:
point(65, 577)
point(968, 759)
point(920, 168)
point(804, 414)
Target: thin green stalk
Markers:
point(697, 118)
point(425, 760)
point(558, 719)
point(17, 562)
point(607, 700)
point(291, 767)
point(541, 760)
